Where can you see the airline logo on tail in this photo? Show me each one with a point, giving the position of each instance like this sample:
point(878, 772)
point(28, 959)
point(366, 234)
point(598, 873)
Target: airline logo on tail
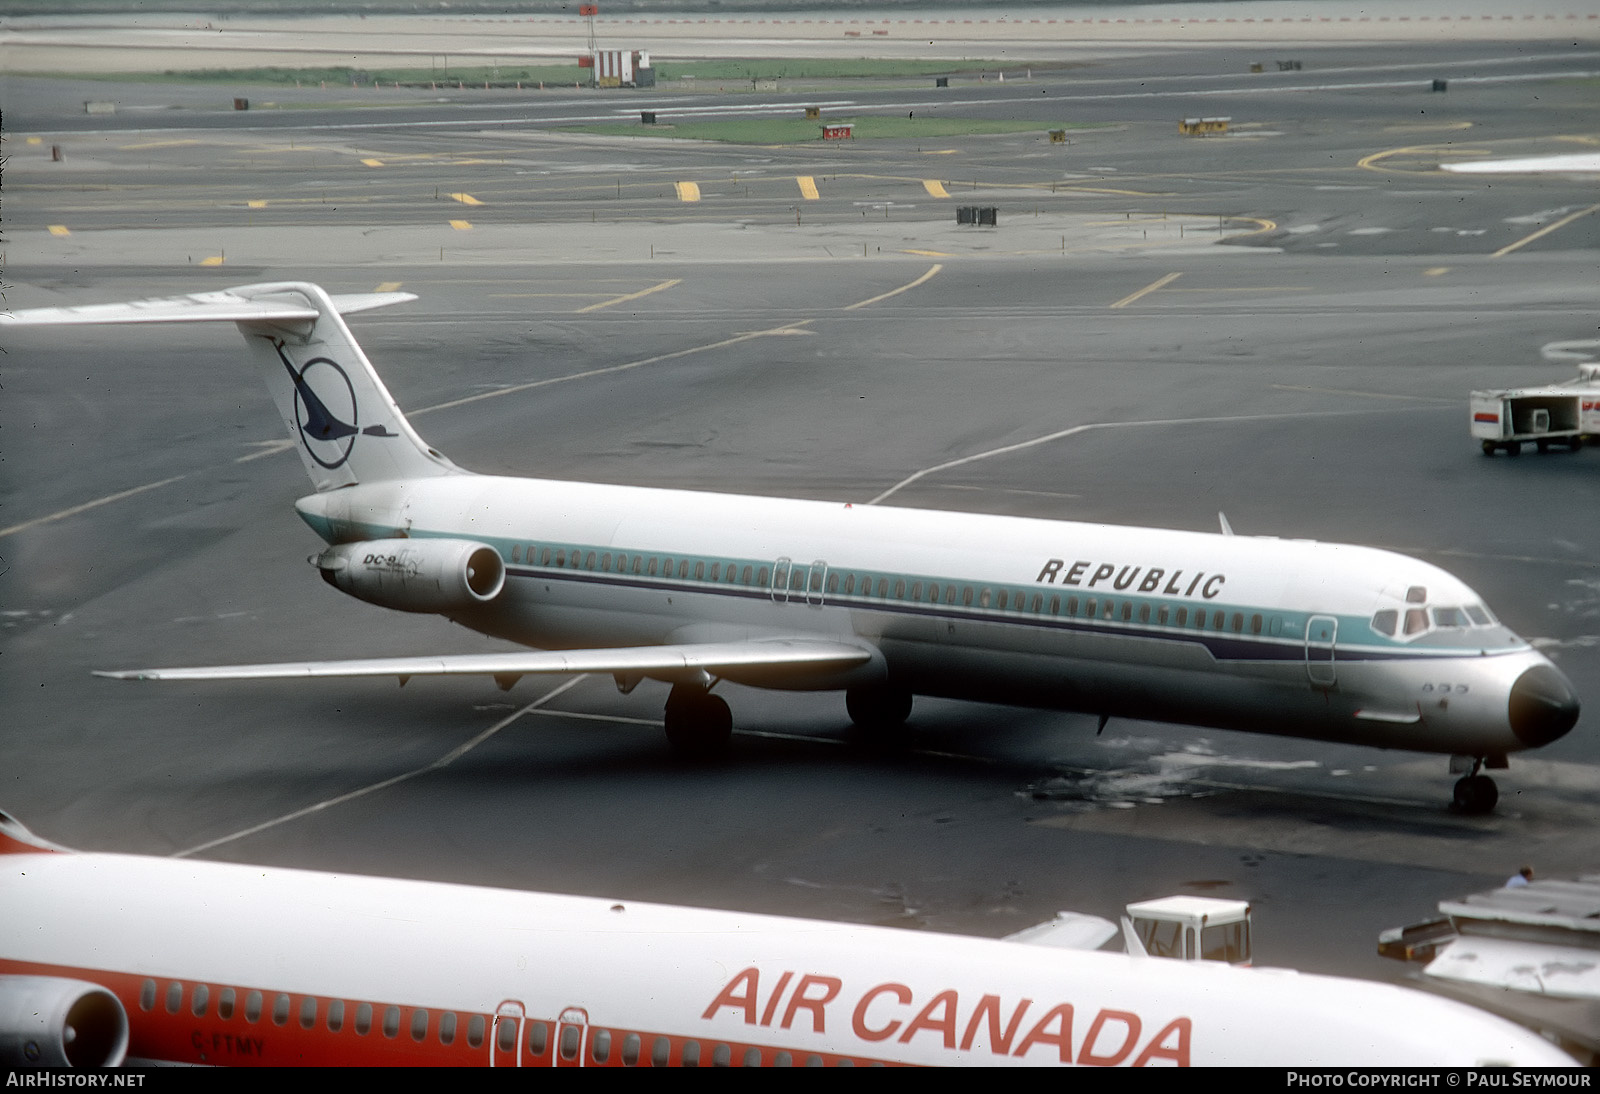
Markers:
point(325, 409)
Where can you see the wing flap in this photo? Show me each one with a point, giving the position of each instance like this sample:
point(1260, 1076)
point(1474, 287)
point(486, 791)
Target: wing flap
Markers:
point(710, 657)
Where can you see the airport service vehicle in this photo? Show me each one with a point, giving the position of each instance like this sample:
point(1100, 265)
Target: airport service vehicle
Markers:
point(216, 963)
point(1187, 928)
point(1255, 633)
point(1526, 953)
point(1556, 414)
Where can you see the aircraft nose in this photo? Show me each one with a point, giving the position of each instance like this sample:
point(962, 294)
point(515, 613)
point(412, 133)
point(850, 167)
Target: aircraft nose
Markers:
point(1543, 706)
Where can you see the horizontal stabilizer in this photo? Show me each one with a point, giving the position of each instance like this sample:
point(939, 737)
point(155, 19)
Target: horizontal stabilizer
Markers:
point(711, 657)
point(216, 307)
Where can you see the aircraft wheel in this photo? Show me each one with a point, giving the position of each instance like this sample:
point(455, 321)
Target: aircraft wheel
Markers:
point(699, 725)
point(1476, 794)
point(878, 708)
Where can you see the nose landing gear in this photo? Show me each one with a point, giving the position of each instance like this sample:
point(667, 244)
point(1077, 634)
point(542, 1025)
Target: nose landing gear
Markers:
point(1475, 794)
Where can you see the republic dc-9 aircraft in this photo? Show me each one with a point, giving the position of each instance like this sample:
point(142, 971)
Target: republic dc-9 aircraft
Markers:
point(1291, 637)
point(217, 963)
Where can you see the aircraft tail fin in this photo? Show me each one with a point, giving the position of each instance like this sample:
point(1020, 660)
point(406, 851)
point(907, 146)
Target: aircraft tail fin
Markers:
point(342, 420)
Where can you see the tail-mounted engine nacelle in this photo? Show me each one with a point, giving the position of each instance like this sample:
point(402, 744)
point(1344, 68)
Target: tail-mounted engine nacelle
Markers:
point(415, 575)
point(48, 1021)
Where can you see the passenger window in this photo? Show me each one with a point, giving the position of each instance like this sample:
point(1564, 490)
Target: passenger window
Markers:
point(200, 1001)
point(569, 1042)
point(308, 1012)
point(1055, 605)
point(746, 578)
point(1144, 613)
point(916, 590)
point(630, 1050)
point(752, 1057)
point(1216, 621)
point(538, 1038)
point(1416, 621)
point(1182, 617)
point(280, 1010)
point(1127, 610)
point(252, 1007)
point(721, 1056)
point(933, 594)
point(661, 1052)
point(883, 587)
point(1109, 609)
point(419, 1024)
point(174, 997)
point(833, 584)
point(761, 576)
point(561, 558)
point(1161, 615)
point(447, 1028)
point(1255, 624)
point(516, 552)
point(1386, 621)
point(364, 1019)
point(899, 590)
point(545, 561)
point(506, 1033)
point(691, 1054)
point(850, 585)
point(600, 1045)
point(605, 561)
point(335, 1016)
point(1072, 605)
point(1238, 622)
point(966, 596)
point(783, 1059)
point(1091, 608)
point(649, 570)
point(985, 598)
point(147, 995)
point(699, 571)
point(1002, 602)
point(391, 1021)
point(683, 568)
point(1200, 620)
point(224, 1003)
point(475, 1026)
point(1038, 602)
point(588, 561)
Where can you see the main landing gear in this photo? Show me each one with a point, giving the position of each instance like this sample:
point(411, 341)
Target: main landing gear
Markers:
point(879, 712)
point(1476, 794)
point(699, 724)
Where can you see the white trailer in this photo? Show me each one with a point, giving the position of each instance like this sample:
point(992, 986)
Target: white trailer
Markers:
point(1556, 414)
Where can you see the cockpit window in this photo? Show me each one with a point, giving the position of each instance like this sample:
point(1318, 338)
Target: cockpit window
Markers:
point(1449, 617)
point(1385, 621)
point(1480, 615)
point(1416, 621)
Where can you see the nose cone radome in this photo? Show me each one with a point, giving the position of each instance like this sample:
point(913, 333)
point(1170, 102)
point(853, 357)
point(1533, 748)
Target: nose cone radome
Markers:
point(1543, 706)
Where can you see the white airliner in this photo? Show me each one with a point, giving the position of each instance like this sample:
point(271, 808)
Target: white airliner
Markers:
point(1291, 637)
point(113, 958)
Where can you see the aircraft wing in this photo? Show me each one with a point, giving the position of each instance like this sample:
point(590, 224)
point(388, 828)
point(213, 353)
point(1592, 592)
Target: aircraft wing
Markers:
point(224, 305)
point(714, 658)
